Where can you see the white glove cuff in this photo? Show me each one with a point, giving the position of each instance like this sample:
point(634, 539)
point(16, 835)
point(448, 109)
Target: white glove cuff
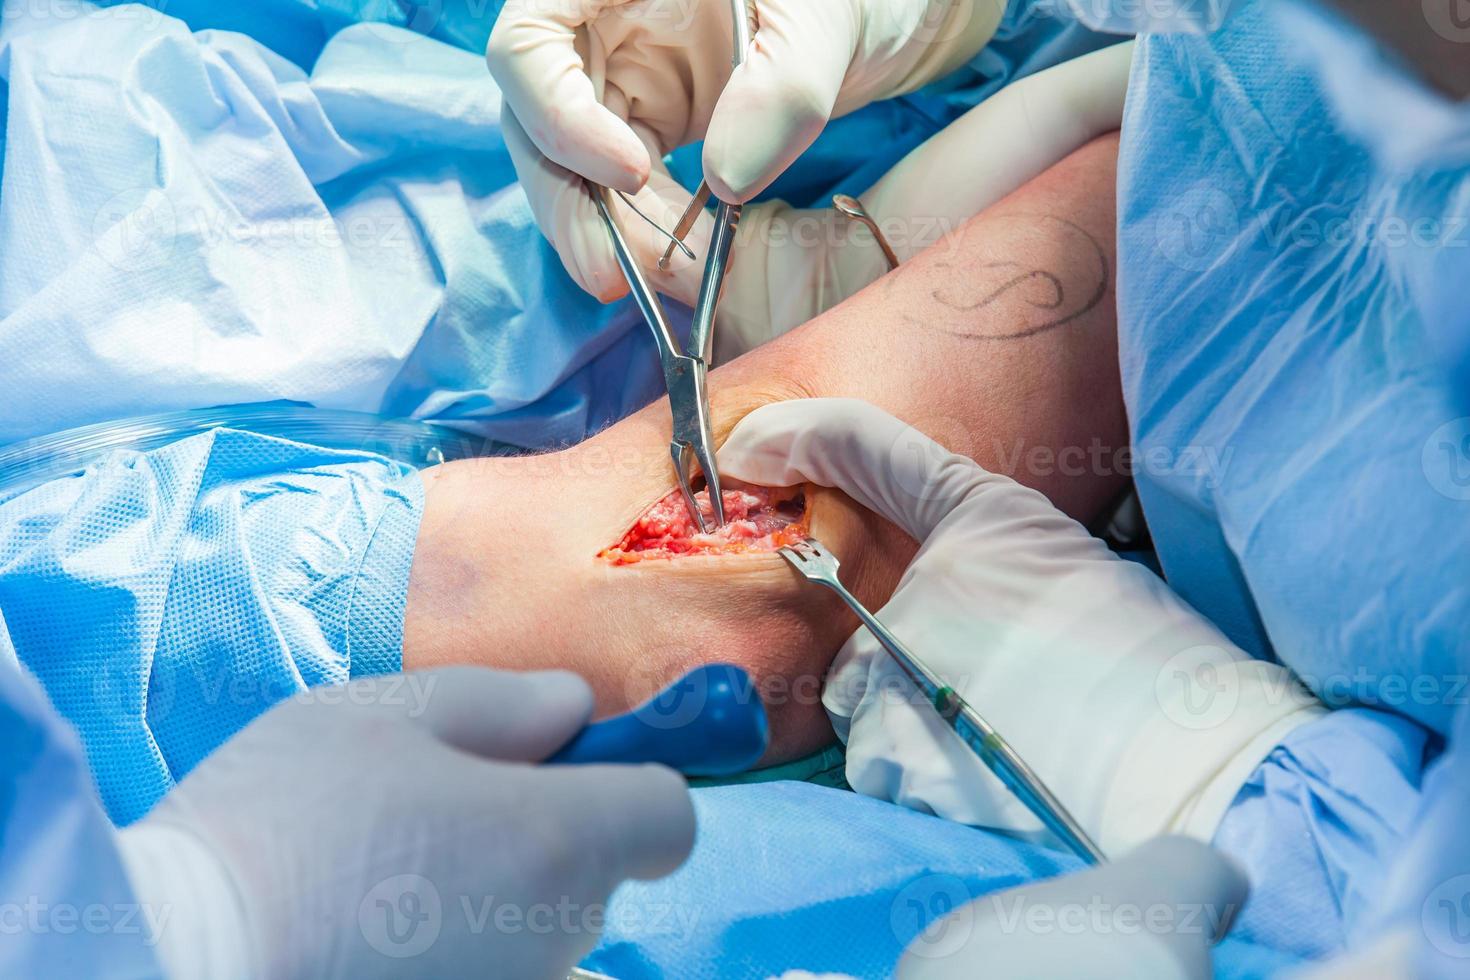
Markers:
point(200, 918)
point(789, 266)
point(1200, 817)
point(1142, 718)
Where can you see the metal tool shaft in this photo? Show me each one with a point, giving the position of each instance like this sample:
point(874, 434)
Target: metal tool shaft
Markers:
point(685, 372)
point(643, 294)
point(727, 217)
point(702, 328)
point(684, 375)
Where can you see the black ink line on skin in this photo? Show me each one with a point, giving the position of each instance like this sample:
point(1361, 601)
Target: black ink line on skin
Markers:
point(1035, 275)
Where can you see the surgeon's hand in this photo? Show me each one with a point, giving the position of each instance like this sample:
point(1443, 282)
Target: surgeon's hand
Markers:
point(400, 825)
point(1140, 715)
point(1153, 913)
point(602, 89)
point(792, 264)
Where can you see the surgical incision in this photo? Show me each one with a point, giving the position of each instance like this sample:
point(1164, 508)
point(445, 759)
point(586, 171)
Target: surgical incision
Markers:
point(757, 519)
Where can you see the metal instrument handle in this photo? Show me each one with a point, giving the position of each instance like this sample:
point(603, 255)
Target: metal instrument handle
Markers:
point(994, 750)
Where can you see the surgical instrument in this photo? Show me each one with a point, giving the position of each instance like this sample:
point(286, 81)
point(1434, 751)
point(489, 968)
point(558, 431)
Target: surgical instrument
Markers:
point(685, 374)
point(710, 722)
point(686, 221)
point(675, 237)
point(816, 564)
point(739, 15)
point(850, 207)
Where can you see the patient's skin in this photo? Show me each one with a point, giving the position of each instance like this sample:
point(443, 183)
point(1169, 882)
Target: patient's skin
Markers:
point(999, 343)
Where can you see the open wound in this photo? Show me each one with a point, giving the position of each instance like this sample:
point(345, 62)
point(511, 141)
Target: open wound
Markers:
point(757, 519)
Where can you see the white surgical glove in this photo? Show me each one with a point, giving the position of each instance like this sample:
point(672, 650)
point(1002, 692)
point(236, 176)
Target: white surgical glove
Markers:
point(398, 825)
point(791, 264)
point(602, 89)
point(1154, 913)
point(1141, 716)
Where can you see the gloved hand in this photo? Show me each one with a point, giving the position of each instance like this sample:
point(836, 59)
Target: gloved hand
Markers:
point(598, 85)
point(602, 90)
point(1154, 913)
point(357, 826)
point(1141, 716)
point(791, 264)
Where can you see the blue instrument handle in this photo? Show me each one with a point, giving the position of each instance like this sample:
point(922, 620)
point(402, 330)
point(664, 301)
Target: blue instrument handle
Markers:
point(710, 722)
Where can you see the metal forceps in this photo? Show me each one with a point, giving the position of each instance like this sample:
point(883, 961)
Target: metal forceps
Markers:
point(685, 372)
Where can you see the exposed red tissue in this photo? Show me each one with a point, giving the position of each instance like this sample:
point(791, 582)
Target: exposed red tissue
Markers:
point(756, 519)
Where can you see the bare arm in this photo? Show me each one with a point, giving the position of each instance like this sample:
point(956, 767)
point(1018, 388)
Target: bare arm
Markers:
point(999, 342)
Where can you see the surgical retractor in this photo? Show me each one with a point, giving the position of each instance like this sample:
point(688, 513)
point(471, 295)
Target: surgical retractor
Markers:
point(816, 564)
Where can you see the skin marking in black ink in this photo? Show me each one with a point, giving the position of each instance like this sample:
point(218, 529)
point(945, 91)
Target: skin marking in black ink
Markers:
point(1034, 275)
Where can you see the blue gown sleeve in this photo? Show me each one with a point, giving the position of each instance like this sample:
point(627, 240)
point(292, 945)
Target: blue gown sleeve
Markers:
point(1318, 826)
point(65, 900)
point(164, 599)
